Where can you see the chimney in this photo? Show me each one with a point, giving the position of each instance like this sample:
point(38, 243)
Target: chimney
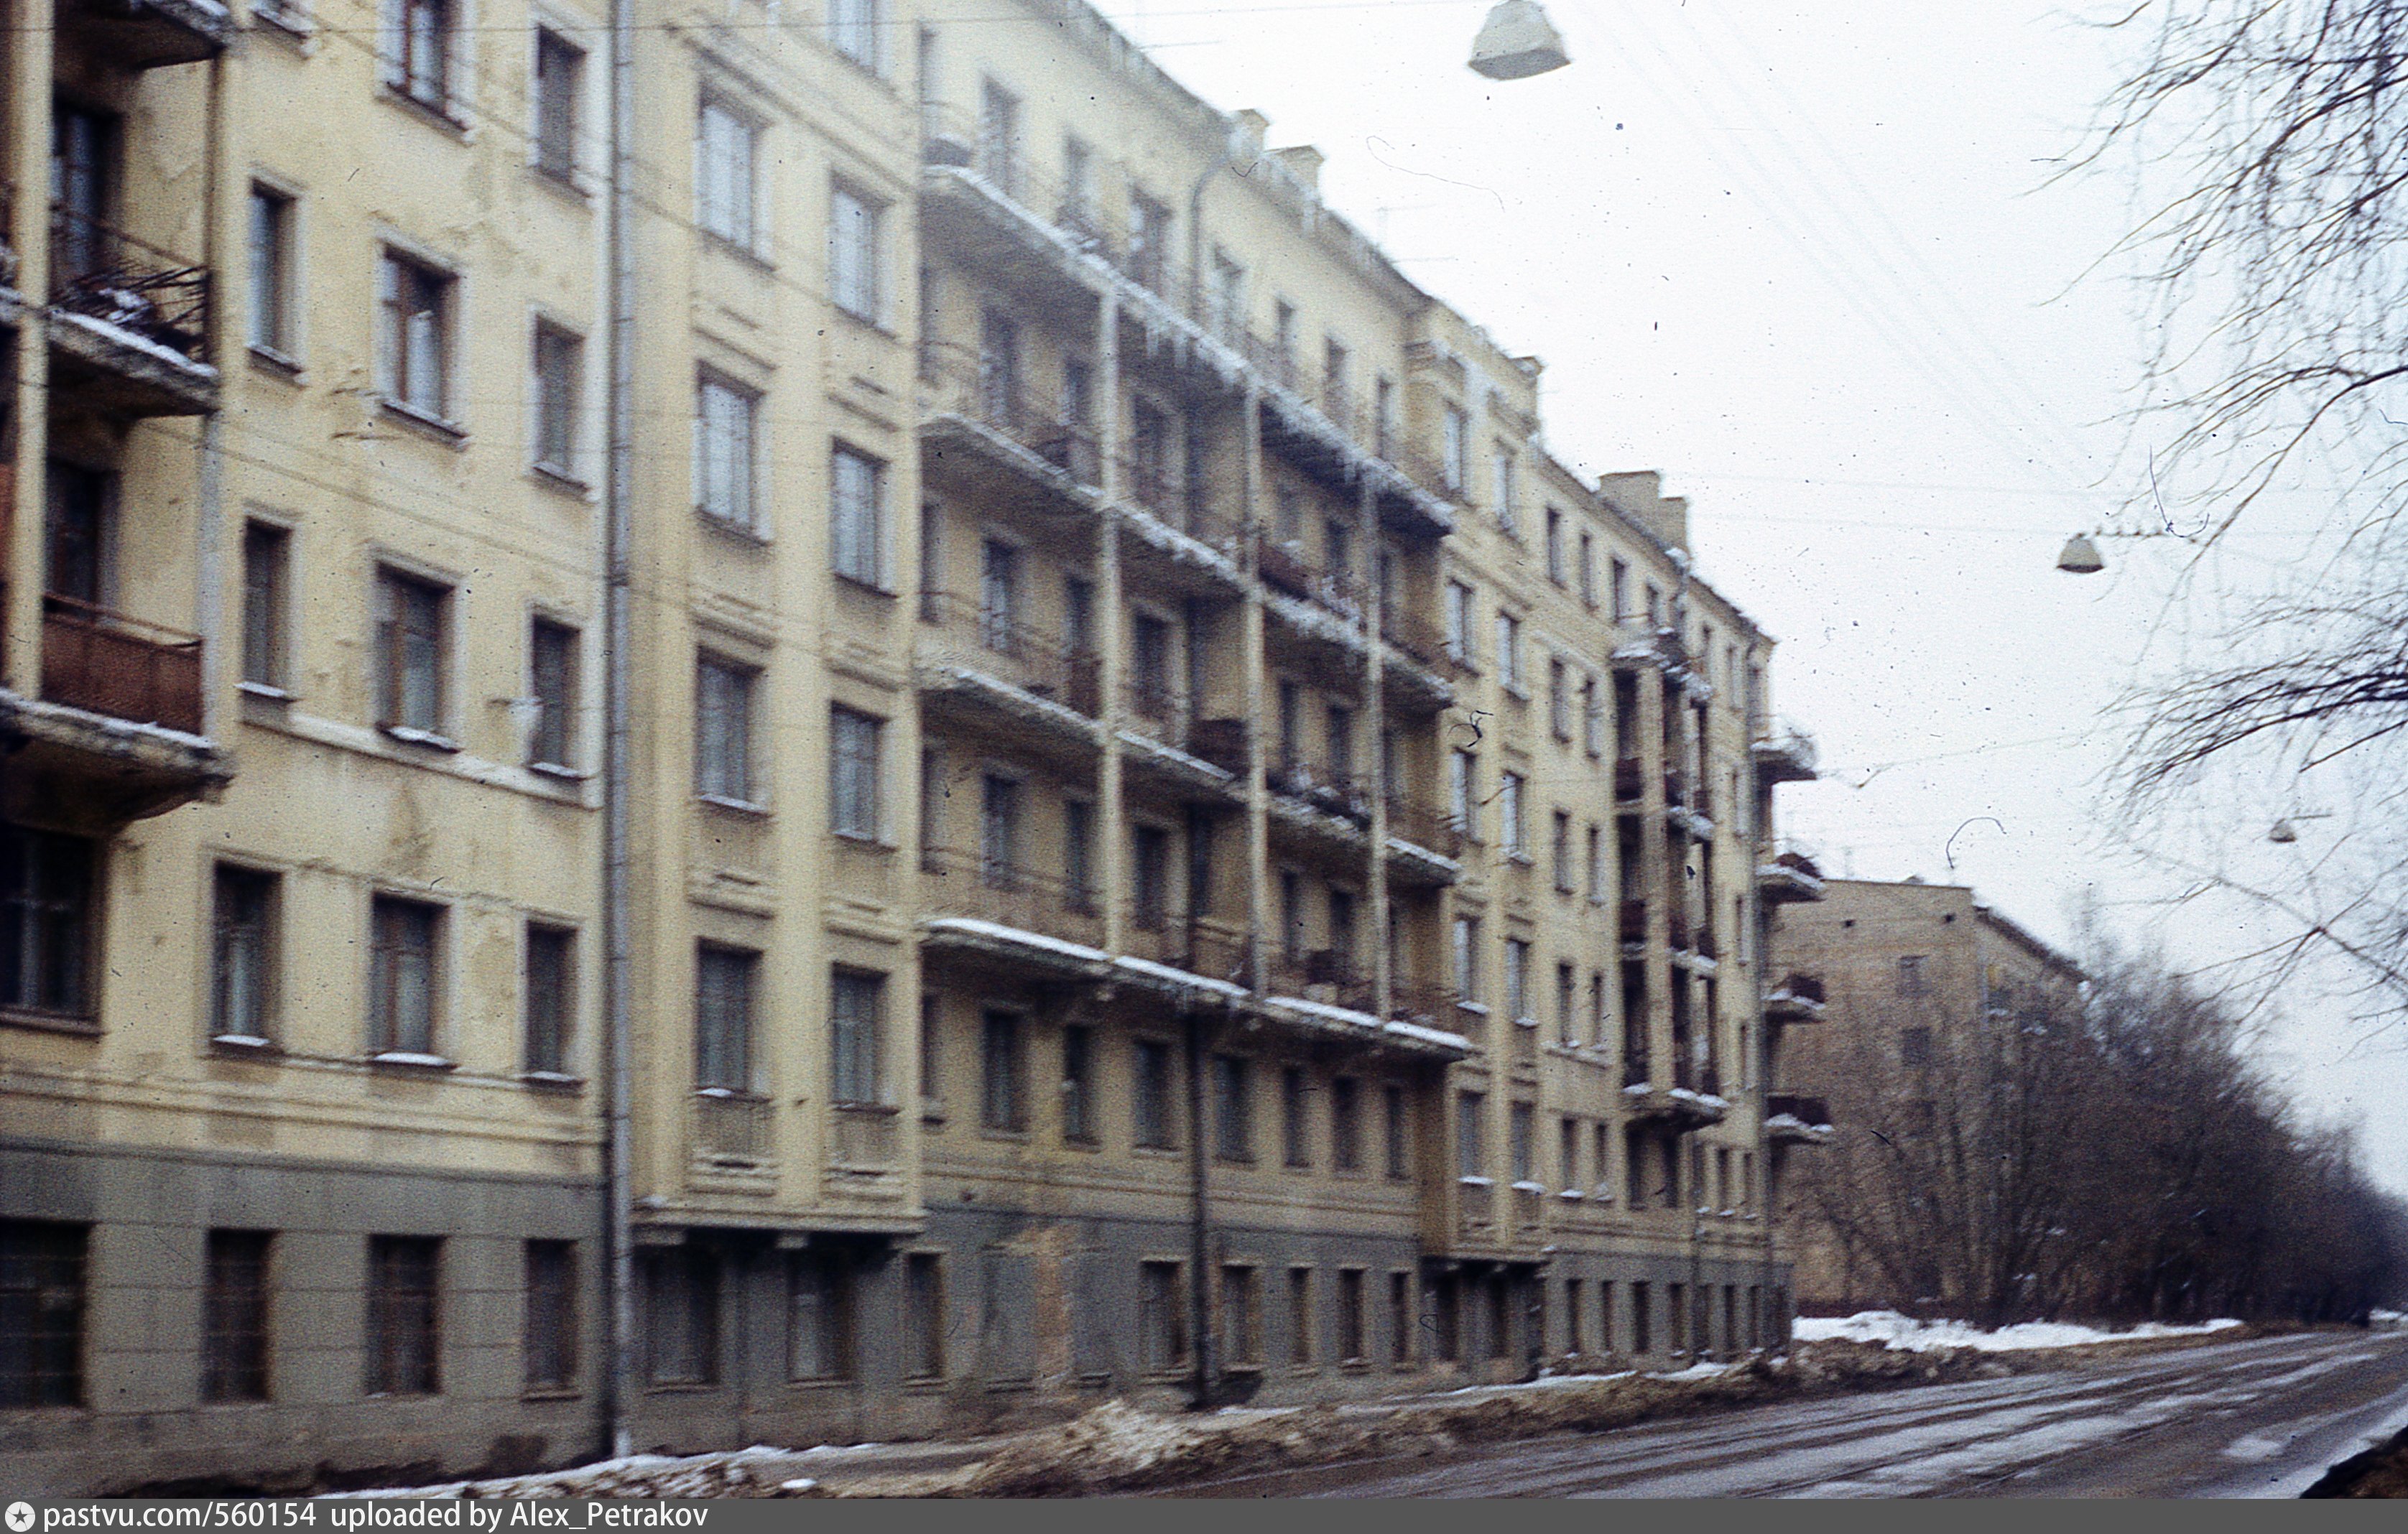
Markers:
point(1305, 162)
point(1246, 131)
point(1640, 494)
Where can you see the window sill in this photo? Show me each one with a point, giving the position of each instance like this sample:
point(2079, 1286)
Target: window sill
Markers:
point(866, 322)
point(1016, 1137)
point(1521, 858)
point(551, 1393)
point(566, 182)
point(713, 240)
point(409, 1063)
point(735, 806)
point(266, 692)
point(411, 735)
point(1515, 691)
point(562, 773)
point(560, 481)
point(555, 1082)
point(867, 587)
point(728, 527)
point(860, 843)
point(283, 24)
point(437, 115)
point(50, 1022)
point(245, 1046)
point(275, 364)
point(451, 434)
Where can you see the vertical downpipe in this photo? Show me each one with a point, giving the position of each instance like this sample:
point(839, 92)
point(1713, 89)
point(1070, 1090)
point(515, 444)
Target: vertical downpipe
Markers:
point(619, 1074)
point(209, 597)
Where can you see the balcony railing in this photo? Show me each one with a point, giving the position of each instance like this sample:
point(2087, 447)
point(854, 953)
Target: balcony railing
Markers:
point(978, 638)
point(1285, 564)
point(1529, 1211)
point(104, 273)
point(1158, 709)
point(961, 384)
point(970, 884)
point(1221, 742)
point(1424, 826)
point(867, 1137)
point(1634, 921)
point(1806, 987)
point(1412, 634)
point(731, 1127)
point(1634, 1067)
point(1341, 794)
point(1169, 938)
point(1322, 974)
point(1629, 780)
point(124, 667)
point(1431, 1005)
point(1476, 1208)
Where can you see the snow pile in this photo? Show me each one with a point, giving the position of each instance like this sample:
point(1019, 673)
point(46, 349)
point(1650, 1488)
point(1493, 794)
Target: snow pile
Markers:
point(1892, 1331)
point(757, 1472)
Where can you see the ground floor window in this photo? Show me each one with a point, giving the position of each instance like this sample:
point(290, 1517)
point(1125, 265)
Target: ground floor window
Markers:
point(923, 1317)
point(234, 1310)
point(550, 1321)
point(819, 1316)
point(46, 922)
point(681, 1317)
point(1162, 1317)
point(42, 1277)
point(404, 1340)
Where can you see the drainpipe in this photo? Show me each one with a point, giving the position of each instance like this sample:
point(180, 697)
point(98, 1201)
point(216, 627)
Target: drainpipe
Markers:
point(1200, 1234)
point(208, 538)
point(618, 1238)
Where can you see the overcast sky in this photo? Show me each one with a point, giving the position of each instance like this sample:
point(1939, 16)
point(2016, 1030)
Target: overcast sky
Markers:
point(1806, 260)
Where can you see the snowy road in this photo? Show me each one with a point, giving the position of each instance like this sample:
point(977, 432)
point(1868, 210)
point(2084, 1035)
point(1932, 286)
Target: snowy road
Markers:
point(2260, 1419)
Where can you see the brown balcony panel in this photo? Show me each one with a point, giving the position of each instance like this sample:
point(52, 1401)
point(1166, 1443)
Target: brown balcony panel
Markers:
point(731, 1128)
point(1433, 1006)
point(1476, 1206)
point(1044, 452)
point(960, 635)
point(147, 34)
point(108, 663)
point(967, 885)
point(129, 323)
point(1629, 780)
point(1634, 921)
point(866, 1137)
point(1424, 826)
point(1220, 742)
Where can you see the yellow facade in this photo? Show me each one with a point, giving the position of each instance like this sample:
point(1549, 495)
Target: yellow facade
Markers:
point(1166, 845)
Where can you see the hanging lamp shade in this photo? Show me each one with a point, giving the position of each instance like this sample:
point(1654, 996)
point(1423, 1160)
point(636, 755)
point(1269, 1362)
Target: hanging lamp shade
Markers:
point(2080, 556)
point(1516, 42)
point(2284, 834)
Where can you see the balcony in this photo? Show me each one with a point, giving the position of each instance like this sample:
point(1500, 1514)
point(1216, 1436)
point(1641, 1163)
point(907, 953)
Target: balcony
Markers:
point(974, 658)
point(147, 34)
point(1798, 999)
point(1794, 1119)
point(1785, 755)
point(1475, 1204)
point(1014, 443)
point(1175, 942)
point(1340, 795)
point(1154, 708)
point(1004, 910)
point(982, 195)
point(117, 732)
point(130, 323)
point(1629, 782)
point(865, 1138)
point(731, 1131)
point(1789, 879)
point(1429, 1005)
point(1633, 923)
point(1220, 742)
point(1323, 976)
point(1424, 826)
point(1677, 1108)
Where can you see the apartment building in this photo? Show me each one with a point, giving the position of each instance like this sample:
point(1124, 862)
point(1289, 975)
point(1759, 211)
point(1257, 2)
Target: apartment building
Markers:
point(943, 759)
point(1915, 991)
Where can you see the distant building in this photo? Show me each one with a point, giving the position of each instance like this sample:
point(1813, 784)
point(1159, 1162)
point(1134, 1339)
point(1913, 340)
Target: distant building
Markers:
point(1903, 984)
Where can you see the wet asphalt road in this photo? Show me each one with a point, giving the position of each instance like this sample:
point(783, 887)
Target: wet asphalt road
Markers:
point(2258, 1418)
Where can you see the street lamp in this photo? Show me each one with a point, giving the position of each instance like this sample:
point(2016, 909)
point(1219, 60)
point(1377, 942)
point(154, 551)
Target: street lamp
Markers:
point(2080, 556)
point(1516, 42)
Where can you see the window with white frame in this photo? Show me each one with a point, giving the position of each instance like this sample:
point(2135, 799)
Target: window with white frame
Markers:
point(853, 31)
point(414, 340)
point(271, 271)
point(1509, 814)
point(1458, 623)
point(854, 279)
point(856, 1000)
point(853, 773)
point(723, 729)
point(416, 43)
point(1508, 650)
point(1455, 448)
point(858, 511)
point(559, 365)
point(559, 83)
point(725, 146)
point(725, 421)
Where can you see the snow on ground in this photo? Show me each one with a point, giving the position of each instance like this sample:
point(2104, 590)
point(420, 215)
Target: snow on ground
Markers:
point(1891, 1329)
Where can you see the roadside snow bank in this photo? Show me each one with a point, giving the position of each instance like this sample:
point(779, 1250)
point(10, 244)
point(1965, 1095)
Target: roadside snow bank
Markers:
point(1890, 1330)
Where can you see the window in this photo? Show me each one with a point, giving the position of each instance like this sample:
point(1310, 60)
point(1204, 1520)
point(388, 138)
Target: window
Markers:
point(46, 918)
point(1455, 448)
point(42, 1302)
point(559, 368)
point(403, 1293)
point(1587, 569)
point(403, 982)
point(1004, 1103)
point(853, 234)
point(1508, 651)
point(1567, 1154)
point(1470, 1125)
point(858, 508)
point(1914, 1046)
point(411, 643)
point(233, 1317)
point(857, 1004)
point(1299, 1315)
point(559, 83)
point(1079, 856)
point(1149, 240)
point(932, 1080)
point(1078, 1085)
point(1643, 1316)
point(1296, 1142)
point(1345, 1124)
point(725, 416)
point(1467, 958)
point(1621, 591)
point(1509, 815)
point(243, 979)
point(1520, 1123)
point(1559, 698)
point(853, 793)
point(722, 180)
point(267, 577)
point(722, 1017)
point(1562, 849)
point(1078, 209)
point(1458, 623)
point(1233, 1109)
point(681, 1315)
point(1463, 794)
point(998, 149)
point(1567, 1005)
point(549, 1333)
point(723, 729)
point(1162, 1317)
point(1350, 1315)
point(271, 271)
point(1150, 877)
point(853, 31)
point(1508, 517)
point(1595, 863)
point(1153, 1093)
point(998, 830)
point(1397, 1141)
point(1517, 978)
point(550, 1002)
point(1911, 980)
point(1592, 718)
point(1242, 1321)
point(923, 1317)
point(417, 50)
point(1400, 1318)
point(414, 350)
point(819, 1316)
point(552, 656)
